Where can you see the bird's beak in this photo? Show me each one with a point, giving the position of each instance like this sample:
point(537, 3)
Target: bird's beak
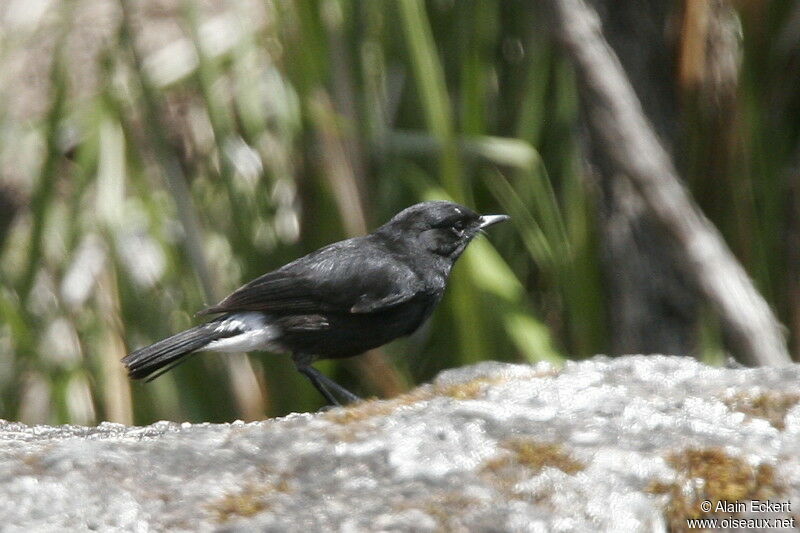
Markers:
point(489, 220)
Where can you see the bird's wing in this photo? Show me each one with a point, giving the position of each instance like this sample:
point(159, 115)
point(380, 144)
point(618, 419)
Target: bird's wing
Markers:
point(354, 276)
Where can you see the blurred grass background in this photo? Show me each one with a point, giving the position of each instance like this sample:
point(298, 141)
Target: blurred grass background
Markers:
point(155, 155)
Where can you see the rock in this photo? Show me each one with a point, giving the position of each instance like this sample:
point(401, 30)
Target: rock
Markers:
point(630, 444)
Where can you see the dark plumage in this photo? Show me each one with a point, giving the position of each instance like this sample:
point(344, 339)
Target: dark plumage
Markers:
point(338, 301)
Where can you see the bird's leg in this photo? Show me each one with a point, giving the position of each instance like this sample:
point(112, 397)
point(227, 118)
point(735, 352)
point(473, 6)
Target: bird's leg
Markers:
point(313, 375)
point(325, 385)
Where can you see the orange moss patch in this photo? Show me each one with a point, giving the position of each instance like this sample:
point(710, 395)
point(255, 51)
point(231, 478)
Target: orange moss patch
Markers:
point(770, 406)
point(371, 408)
point(722, 477)
point(461, 391)
point(252, 499)
point(444, 507)
point(468, 390)
point(535, 456)
point(525, 458)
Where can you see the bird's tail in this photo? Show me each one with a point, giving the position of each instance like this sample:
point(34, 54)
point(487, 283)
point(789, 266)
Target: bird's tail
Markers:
point(152, 361)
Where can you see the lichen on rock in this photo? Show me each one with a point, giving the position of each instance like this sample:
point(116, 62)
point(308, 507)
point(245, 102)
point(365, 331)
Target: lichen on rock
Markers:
point(628, 444)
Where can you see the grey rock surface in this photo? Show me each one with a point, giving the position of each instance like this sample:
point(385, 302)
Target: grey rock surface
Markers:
point(623, 444)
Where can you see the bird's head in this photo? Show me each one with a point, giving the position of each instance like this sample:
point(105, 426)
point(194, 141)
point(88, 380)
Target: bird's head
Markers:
point(442, 228)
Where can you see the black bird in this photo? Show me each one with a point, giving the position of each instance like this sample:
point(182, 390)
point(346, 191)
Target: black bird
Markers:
point(339, 301)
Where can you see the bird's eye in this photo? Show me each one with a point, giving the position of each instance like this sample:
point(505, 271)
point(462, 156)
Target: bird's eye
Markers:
point(458, 228)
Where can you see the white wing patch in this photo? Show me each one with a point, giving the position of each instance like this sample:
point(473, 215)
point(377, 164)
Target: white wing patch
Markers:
point(256, 334)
